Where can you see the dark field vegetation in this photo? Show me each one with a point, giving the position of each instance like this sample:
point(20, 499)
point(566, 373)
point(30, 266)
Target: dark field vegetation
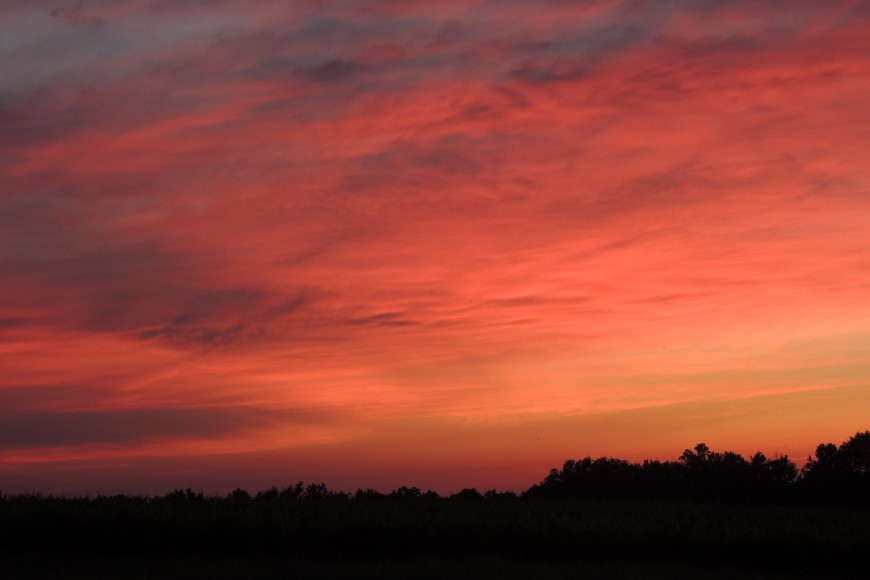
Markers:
point(712, 514)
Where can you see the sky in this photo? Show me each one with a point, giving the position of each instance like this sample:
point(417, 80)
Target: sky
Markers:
point(444, 244)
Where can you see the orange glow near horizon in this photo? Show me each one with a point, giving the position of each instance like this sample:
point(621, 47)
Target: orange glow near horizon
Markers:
point(390, 243)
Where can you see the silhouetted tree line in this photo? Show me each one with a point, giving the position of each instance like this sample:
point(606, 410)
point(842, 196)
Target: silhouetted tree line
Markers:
point(836, 475)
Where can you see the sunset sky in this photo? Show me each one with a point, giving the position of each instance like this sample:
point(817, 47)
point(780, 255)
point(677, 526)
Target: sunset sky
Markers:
point(442, 244)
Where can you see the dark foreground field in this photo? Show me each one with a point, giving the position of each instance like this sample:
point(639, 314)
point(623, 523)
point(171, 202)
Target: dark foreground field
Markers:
point(190, 536)
point(707, 515)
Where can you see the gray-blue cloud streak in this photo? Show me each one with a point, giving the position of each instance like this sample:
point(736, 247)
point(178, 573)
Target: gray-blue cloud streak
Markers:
point(30, 429)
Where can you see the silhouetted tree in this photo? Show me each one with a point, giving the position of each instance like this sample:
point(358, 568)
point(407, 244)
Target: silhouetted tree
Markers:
point(493, 495)
point(292, 492)
point(364, 494)
point(239, 496)
point(184, 495)
point(319, 491)
point(405, 493)
point(696, 459)
point(854, 454)
point(839, 474)
point(467, 493)
point(270, 495)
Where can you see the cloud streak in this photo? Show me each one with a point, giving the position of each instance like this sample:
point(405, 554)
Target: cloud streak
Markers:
point(28, 429)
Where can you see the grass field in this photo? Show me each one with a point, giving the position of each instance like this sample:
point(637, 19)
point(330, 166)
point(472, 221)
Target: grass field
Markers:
point(386, 538)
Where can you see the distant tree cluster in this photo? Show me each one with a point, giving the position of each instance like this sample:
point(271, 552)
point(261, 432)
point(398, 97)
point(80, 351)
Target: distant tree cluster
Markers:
point(835, 475)
point(319, 491)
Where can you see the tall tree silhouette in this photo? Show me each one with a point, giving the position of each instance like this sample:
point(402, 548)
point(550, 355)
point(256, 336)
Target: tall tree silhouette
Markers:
point(839, 474)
